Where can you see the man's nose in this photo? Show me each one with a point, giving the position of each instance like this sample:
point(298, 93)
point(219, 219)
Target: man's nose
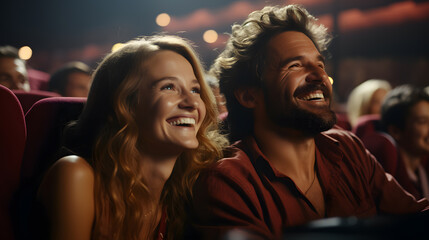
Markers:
point(317, 74)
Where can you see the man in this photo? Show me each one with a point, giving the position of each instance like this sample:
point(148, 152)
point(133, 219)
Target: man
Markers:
point(405, 116)
point(72, 80)
point(13, 72)
point(285, 170)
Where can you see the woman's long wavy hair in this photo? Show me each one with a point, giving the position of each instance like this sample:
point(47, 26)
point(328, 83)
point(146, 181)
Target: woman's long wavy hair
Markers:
point(106, 134)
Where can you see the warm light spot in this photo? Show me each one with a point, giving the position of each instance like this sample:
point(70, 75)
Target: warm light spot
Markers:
point(25, 53)
point(163, 19)
point(331, 80)
point(117, 46)
point(210, 36)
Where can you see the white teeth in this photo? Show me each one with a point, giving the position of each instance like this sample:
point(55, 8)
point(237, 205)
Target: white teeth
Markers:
point(313, 96)
point(183, 121)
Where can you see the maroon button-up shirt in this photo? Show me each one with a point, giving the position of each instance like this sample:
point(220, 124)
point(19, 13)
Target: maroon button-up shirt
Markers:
point(245, 191)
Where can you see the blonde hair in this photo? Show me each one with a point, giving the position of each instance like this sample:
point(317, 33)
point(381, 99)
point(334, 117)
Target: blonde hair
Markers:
point(360, 98)
point(121, 192)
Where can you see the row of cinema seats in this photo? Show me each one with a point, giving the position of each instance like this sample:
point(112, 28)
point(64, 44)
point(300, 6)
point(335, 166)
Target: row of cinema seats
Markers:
point(29, 142)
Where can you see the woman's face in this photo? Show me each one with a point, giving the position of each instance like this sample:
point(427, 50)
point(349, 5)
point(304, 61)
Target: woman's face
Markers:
point(374, 106)
point(414, 138)
point(170, 109)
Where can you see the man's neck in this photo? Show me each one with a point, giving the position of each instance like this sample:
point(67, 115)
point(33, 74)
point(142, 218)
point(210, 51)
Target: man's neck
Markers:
point(288, 150)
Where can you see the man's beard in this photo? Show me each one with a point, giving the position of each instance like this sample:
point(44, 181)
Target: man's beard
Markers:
point(292, 116)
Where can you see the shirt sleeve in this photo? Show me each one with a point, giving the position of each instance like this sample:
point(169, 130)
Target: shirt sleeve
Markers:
point(223, 204)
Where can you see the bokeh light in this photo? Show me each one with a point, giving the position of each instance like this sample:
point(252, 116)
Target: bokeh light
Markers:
point(117, 46)
point(163, 19)
point(25, 52)
point(210, 36)
point(331, 80)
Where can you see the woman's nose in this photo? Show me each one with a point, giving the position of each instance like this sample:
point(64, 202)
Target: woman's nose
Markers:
point(189, 100)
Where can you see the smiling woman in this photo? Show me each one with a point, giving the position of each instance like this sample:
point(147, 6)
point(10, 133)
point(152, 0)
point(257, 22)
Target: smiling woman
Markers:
point(148, 127)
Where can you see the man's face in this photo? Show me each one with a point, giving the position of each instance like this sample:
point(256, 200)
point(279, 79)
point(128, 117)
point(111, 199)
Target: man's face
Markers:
point(297, 90)
point(78, 85)
point(13, 74)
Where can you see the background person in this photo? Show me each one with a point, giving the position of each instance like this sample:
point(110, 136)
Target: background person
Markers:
point(13, 72)
point(72, 80)
point(405, 116)
point(366, 99)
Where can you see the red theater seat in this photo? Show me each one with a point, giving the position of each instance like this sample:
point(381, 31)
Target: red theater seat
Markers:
point(12, 142)
point(380, 144)
point(343, 121)
point(45, 123)
point(27, 99)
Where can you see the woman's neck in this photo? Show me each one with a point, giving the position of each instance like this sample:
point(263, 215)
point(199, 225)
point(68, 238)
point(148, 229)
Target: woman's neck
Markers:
point(156, 171)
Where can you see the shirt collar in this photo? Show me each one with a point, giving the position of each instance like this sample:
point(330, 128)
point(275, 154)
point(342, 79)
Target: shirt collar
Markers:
point(327, 146)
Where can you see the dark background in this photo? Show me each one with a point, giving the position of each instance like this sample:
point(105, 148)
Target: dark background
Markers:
point(384, 39)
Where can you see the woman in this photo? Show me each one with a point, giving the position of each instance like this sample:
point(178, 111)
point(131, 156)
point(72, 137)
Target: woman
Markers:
point(366, 99)
point(146, 130)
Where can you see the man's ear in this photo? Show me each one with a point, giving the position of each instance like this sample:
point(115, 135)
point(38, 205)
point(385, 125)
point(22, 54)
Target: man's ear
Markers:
point(248, 97)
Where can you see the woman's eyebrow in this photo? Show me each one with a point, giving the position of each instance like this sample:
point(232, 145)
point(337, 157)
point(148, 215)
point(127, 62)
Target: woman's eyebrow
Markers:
point(154, 83)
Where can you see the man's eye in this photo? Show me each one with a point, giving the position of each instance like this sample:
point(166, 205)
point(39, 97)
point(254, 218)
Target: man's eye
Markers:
point(167, 87)
point(294, 65)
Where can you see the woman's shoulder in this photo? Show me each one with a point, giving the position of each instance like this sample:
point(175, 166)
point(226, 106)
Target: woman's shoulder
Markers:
point(71, 168)
point(73, 165)
point(66, 175)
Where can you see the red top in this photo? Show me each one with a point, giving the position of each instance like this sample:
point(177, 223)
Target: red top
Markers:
point(162, 227)
point(244, 190)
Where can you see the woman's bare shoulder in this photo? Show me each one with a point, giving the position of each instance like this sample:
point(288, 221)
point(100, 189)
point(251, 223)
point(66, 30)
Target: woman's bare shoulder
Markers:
point(67, 193)
point(72, 174)
point(74, 165)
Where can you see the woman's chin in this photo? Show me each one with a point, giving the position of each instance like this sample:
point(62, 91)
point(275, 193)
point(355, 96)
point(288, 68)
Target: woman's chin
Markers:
point(189, 145)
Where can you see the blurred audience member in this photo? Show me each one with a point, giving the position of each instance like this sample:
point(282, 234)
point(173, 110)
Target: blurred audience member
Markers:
point(220, 98)
point(72, 80)
point(366, 99)
point(405, 115)
point(13, 72)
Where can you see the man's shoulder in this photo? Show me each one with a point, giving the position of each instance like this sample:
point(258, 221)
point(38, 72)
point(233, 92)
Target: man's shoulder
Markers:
point(339, 134)
point(339, 137)
point(235, 159)
point(342, 144)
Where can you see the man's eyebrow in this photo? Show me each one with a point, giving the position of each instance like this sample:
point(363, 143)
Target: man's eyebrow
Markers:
point(288, 60)
point(321, 58)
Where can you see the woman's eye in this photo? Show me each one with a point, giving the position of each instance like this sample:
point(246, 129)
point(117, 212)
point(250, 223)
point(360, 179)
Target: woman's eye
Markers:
point(167, 87)
point(196, 90)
